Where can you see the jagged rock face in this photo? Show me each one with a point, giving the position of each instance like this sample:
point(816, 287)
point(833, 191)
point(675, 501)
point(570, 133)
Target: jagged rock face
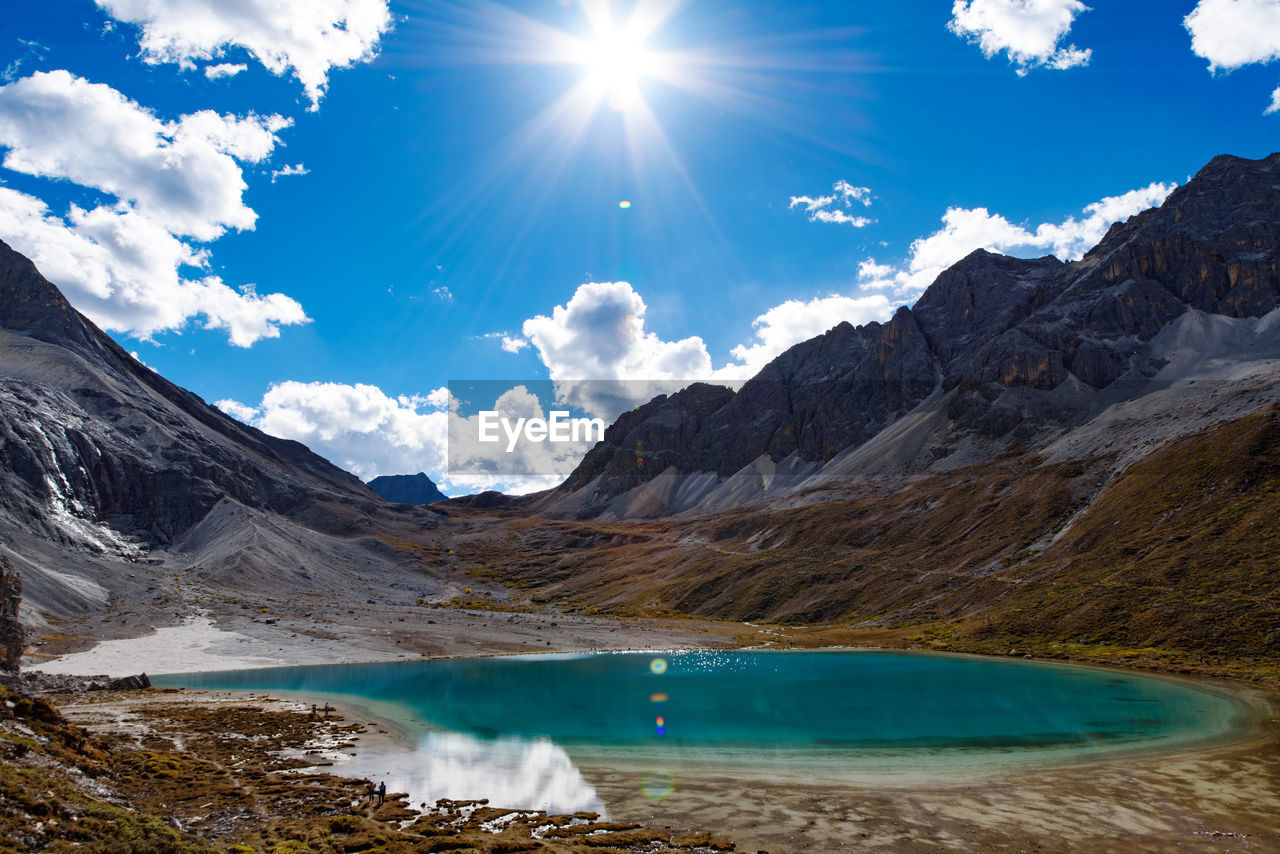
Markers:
point(407, 488)
point(95, 437)
point(113, 478)
point(991, 333)
point(1213, 246)
point(12, 636)
point(644, 441)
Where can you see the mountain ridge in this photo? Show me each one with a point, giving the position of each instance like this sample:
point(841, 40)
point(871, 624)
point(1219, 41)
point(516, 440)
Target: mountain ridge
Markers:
point(105, 466)
point(1008, 350)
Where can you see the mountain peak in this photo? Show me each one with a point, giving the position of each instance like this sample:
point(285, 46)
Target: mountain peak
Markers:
point(30, 303)
point(407, 488)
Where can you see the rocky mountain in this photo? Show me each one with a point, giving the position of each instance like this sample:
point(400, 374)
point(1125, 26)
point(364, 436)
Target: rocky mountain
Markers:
point(407, 488)
point(118, 486)
point(999, 353)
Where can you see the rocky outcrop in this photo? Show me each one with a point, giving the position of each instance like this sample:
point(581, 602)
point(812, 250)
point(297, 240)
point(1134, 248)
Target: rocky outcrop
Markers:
point(12, 636)
point(106, 466)
point(997, 351)
point(407, 488)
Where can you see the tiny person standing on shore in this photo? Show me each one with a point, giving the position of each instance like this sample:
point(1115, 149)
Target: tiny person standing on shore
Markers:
point(382, 792)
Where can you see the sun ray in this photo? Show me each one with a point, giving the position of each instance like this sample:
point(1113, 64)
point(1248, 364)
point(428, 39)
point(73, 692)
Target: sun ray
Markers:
point(635, 69)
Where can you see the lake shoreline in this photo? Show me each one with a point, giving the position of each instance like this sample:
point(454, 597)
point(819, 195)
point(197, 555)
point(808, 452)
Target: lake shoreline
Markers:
point(1207, 797)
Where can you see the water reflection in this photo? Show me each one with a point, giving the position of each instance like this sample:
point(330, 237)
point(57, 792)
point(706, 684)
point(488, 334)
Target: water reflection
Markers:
point(516, 773)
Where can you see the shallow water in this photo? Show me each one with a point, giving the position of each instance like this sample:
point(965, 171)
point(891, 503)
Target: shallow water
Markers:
point(514, 728)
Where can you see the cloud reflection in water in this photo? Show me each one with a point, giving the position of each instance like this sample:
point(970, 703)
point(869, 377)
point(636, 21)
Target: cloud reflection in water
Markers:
point(511, 772)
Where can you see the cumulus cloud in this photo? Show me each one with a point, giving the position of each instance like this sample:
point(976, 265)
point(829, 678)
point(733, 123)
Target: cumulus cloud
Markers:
point(357, 427)
point(513, 345)
point(224, 69)
point(236, 409)
point(305, 38)
point(1234, 33)
point(600, 334)
point(181, 175)
point(1031, 32)
point(364, 430)
point(820, 208)
point(796, 320)
point(122, 270)
point(121, 262)
point(964, 230)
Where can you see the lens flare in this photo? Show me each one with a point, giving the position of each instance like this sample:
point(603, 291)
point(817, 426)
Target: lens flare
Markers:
point(658, 698)
point(624, 204)
point(657, 786)
point(658, 666)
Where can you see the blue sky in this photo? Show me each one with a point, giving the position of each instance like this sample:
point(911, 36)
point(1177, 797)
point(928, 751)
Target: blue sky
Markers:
point(394, 186)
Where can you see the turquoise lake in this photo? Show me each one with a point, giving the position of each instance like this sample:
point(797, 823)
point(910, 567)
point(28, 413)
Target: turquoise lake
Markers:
point(791, 701)
point(558, 732)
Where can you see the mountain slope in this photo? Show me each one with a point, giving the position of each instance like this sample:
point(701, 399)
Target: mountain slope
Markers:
point(1176, 559)
point(105, 464)
point(997, 352)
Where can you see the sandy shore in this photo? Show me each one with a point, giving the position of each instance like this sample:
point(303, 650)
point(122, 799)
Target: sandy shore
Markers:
point(1222, 798)
point(1210, 798)
point(232, 641)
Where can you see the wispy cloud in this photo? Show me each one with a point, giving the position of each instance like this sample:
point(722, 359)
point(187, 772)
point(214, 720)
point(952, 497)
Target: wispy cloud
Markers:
point(296, 169)
point(825, 209)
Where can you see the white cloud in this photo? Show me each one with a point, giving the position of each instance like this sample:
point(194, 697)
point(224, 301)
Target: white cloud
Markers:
point(600, 334)
point(357, 427)
point(236, 409)
point(1031, 32)
point(794, 321)
point(1234, 33)
point(839, 216)
point(513, 345)
point(286, 171)
point(305, 38)
point(964, 230)
point(120, 262)
point(443, 293)
point(224, 69)
point(369, 433)
point(122, 270)
point(181, 175)
point(819, 208)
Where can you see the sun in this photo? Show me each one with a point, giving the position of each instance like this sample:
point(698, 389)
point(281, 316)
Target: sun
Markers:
point(615, 60)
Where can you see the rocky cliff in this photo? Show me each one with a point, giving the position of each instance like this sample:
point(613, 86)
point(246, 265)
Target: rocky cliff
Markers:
point(12, 636)
point(998, 352)
point(109, 472)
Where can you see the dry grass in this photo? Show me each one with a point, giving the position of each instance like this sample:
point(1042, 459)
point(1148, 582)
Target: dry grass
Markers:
point(1174, 563)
